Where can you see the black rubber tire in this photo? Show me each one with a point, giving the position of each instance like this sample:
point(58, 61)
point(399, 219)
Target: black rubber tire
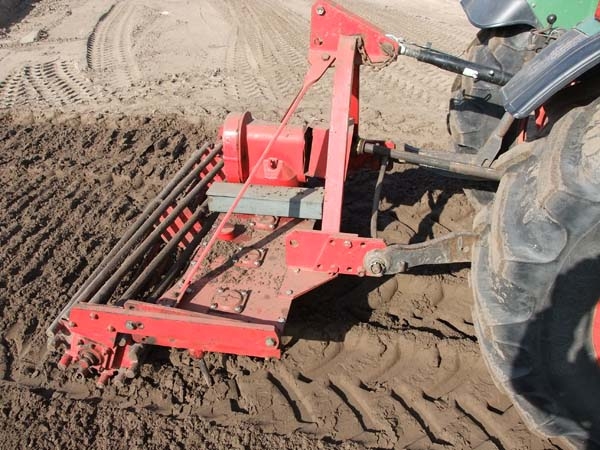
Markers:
point(475, 106)
point(536, 280)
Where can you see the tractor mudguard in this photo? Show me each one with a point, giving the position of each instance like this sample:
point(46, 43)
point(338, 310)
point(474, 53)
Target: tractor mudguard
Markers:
point(573, 54)
point(495, 13)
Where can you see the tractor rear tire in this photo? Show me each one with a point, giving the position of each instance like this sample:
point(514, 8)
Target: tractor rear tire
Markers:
point(536, 280)
point(476, 106)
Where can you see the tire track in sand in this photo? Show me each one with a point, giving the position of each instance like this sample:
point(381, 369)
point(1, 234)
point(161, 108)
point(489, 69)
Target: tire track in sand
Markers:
point(266, 53)
point(110, 47)
point(52, 84)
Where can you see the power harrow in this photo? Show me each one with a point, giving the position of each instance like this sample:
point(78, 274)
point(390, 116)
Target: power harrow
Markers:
point(253, 222)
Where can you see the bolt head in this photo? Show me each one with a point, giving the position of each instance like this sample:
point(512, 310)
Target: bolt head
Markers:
point(321, 11)
point(238, 308)
point(377, 268)
point(111, 329)
point(72, 324)
point(289, 292)
point(213, 306)
point(325, 56)
point(281, 320)
point(347, 244)
point(130, 325)
point(270, 342)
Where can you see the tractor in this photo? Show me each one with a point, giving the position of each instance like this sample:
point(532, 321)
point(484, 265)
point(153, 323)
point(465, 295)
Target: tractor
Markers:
point(253, 221)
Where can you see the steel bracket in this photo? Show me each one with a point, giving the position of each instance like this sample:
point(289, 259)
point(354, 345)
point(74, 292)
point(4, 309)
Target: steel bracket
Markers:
point(452, 248)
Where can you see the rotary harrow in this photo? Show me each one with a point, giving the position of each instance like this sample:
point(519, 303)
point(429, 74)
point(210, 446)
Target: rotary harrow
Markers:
point(253, 222)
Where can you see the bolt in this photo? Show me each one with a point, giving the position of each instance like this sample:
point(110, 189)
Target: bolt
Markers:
point(297, 270)
point(192, 263)
point(214, 306)
point(220, 290)
point(289, 292)
point(93, 316)
point(111, 329)
point(377, 268)
point(72, 324)
point(325, 56)
point(347, 244)
point(270, 342)
point(271, 226)
point(281, 320)
point(257, 263)
point(130, 325)
point(321, 11)
point(238, 308)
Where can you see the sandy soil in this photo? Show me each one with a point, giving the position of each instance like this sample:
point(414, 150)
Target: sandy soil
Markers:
point(100, 102)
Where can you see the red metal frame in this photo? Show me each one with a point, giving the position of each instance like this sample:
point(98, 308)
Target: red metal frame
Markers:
point(595, 332)
point(344, 119)
point(237, 300)
point(333, 253)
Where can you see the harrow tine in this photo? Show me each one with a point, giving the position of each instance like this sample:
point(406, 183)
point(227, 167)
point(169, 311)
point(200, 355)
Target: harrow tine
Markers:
point(166, 250)
point(183, 259)
point(104, 293)
point(185, 177)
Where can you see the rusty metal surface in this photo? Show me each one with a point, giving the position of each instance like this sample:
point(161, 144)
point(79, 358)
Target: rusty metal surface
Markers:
point(449, 249)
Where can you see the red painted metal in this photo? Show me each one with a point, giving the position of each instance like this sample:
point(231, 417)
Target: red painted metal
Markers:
point(597, 14)
point(177, 224)
point(595, 332)
point(244, 140)
point(236, 298)
point(318, 153)
point(335, 253)
point(233, 135)
point(330, 22)
point(315, 72)
point(161, 326)
point(340, 132)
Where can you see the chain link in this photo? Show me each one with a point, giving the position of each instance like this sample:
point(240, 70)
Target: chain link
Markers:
point(386, 48)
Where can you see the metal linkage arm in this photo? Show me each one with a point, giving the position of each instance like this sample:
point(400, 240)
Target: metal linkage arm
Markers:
point(397, 258)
